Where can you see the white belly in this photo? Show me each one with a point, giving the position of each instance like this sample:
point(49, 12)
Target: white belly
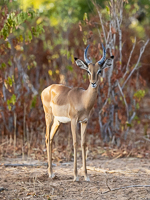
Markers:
point(63, 119)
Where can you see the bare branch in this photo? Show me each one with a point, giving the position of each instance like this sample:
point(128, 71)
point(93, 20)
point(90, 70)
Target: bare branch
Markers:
point(4, 92)
point(103, 106)
point(124, 100)
point(116, 122)
point(100, 17)
point(127, 68)
point(141, 53)
point(132, 117)
point(100, 123)
point(110, 86)
point(24, 76)
point(15, 131)
point(120, 40)
point(121, 11)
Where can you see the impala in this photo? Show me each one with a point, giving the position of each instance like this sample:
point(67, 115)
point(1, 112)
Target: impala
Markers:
point(63, 104)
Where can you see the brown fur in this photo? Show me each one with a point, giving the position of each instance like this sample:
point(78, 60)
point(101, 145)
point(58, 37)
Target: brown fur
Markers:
point(72, 104)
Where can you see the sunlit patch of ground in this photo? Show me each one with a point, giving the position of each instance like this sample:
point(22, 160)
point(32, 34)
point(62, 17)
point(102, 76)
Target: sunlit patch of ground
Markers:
point(26, 182)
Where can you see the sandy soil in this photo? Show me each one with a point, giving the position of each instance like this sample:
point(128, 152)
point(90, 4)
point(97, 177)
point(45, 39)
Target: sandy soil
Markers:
point(33, 182)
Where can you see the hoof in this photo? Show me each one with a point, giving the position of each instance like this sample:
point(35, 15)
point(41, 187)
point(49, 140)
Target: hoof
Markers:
point(52, 176)
point(76, 178)
point(87, 178)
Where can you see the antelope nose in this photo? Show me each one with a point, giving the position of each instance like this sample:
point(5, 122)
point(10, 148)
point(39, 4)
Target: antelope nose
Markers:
point(93, 85)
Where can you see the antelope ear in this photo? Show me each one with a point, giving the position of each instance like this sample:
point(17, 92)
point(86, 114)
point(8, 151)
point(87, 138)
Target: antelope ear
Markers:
point(81, 64)
point(108, 62)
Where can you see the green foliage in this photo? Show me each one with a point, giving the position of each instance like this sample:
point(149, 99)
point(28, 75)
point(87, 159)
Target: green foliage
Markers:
point(137, 106)
point(128, 124)
point(85, 16)
point(3, 66)
point(13, 99)
point(56, 22)
point(108, 9)
point(33, 103)
point(137, 119)
point(28, 36)
point(84, 77)
point(145, 129)
point(139, 94)
point(32, 65)
point(70, 68)
point(8, 26)
point(64, 13)
point(20, 18)
point(14, 21)
point(10, 101)
point(61, 13)
point(36, 31)
point(141, 5)
point(10, 81)
point(9, 62)
point(109, 100)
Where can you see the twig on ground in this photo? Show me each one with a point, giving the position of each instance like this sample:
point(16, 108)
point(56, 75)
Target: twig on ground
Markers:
point(136, 170)
point(146, 139)
point(26, 165)
point(107, 183)
point(40, 182)
point(125, 187)
point(113, 159)
point(106, 171)
point(34, 181)
point(4, 143)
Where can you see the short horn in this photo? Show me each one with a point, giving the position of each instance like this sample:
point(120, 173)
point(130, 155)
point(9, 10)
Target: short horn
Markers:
point(104, 56)
point(88, 61)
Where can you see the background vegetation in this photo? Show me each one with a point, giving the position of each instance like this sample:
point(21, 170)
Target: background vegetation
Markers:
point(38, 41)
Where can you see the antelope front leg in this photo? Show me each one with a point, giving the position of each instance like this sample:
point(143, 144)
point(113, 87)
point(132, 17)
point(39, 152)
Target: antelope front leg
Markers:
point(83, 145)
point(74, 134)
point(48, 149)
point(54, 129)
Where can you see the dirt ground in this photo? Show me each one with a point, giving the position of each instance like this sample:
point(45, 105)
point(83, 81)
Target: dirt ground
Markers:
point(24, 182)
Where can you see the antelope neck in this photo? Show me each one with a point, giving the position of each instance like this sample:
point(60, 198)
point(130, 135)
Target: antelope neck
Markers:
point(90, 96)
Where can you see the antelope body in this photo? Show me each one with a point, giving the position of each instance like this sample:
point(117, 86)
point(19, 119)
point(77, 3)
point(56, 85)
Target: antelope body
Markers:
point(63, 104)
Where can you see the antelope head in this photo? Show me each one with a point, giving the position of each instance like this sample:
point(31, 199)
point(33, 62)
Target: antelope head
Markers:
point(94, 70)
